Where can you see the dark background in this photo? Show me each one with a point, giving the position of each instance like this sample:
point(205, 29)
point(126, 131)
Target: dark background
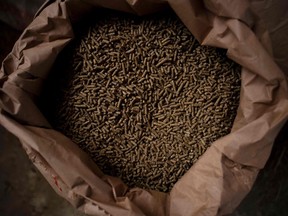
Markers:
point(24, 192)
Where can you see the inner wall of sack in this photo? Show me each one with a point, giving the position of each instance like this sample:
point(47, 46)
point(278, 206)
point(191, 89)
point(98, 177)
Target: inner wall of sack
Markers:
point(124, 127)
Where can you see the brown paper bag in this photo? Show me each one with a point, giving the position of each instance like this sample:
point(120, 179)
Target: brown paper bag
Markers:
point(221, 178)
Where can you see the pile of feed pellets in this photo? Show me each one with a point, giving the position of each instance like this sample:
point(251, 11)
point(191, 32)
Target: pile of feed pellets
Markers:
point(145, 99)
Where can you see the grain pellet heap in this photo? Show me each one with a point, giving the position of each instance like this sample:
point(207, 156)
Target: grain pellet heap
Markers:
point(145, 100)
point(147, 103)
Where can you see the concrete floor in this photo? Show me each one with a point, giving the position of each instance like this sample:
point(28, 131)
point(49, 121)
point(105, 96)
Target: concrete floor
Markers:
point(24, 192)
